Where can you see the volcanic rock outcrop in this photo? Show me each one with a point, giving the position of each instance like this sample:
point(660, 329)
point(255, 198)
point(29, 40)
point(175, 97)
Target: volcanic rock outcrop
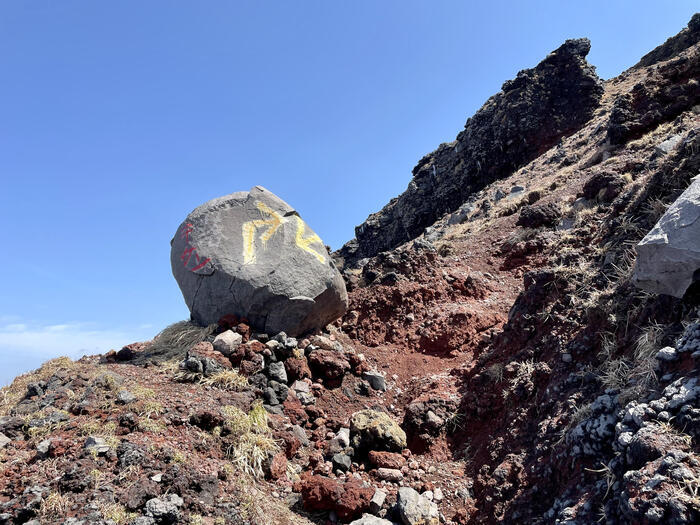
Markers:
point(250, 254)
point(528, 116)
point(668, 258)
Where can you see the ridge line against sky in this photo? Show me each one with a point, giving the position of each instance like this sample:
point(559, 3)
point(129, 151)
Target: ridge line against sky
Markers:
point(120, 118)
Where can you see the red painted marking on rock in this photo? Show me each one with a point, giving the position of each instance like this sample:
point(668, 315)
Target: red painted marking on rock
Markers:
point(191, 251)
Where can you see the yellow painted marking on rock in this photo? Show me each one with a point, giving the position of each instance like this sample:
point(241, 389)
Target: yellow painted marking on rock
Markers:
point(273, 223)
point(305, 242)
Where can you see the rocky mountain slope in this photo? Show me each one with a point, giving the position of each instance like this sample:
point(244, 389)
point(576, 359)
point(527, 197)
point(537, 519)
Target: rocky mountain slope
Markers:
point(497, 362)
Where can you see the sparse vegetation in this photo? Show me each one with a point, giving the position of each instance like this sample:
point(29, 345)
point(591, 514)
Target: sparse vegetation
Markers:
point(149, 408)
point(116, 513)
point(54, 506)
point(151, 426)
point(253, 443)
point(177, 338)
point(688, 491)
point(227, 380)
point(10, 395)
point(495, 372)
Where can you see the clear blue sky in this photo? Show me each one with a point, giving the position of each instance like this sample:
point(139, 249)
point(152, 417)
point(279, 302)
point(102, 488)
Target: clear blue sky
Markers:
point(118, 118)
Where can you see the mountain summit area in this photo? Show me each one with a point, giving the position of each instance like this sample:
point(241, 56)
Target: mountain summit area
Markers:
point(513, 339)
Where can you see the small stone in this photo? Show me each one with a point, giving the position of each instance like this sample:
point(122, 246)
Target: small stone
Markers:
point(305, 398)
point(4, 440)
point(301, 386)
point(373, 430)
point(343, 437)
point(414, 509)
point(124, 397)
point(143, 520)
point(566, 358)
point(270, 397)
point(276, 467)
point(342, 462)
point(433, 420)
point(386, 459)
point(300, 434)
point(438, 496)
point(667, 354)
point(368, 519)
point(227, 342)
point(375, 379)
point(277, 372)
point(668, 145)
point(97, 444)
point(377, 501)
point(43, 448)
point(35, 389)
point(165, 509)
point(389, 474)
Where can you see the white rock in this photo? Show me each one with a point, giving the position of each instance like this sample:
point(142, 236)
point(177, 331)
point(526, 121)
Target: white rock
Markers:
point(227, 342)
point(667, 353)
point(368, 519)
point(389, 474)
point(668, 257)
point(414, 509)
point(668, 145)
point(343, 437)
point(377, 501)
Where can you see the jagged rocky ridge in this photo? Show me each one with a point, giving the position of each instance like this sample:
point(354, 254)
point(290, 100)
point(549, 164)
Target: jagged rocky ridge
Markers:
point(529, 115)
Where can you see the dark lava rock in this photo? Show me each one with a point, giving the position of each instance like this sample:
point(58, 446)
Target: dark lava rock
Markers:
point(603, 186)
point(531, 114)
point(250, 254)
point(539, 215)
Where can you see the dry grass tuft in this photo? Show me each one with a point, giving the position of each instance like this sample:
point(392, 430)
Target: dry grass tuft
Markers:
point(54, 506)
point(226, 380)
point(149, 408)
point(151, 427)
point(116, 513)
point(495, 372)
point(252, 439)
point(177, 338)
point(689, 491)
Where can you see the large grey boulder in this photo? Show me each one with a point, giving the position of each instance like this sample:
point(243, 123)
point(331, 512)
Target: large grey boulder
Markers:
point(250, 254)
point(668, 258)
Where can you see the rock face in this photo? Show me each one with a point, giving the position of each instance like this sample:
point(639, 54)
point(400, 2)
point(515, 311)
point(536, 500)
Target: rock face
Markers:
point(668, 258)
point(251, 255)
point(670, 89)
point(530, 114)
point(674, 45)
